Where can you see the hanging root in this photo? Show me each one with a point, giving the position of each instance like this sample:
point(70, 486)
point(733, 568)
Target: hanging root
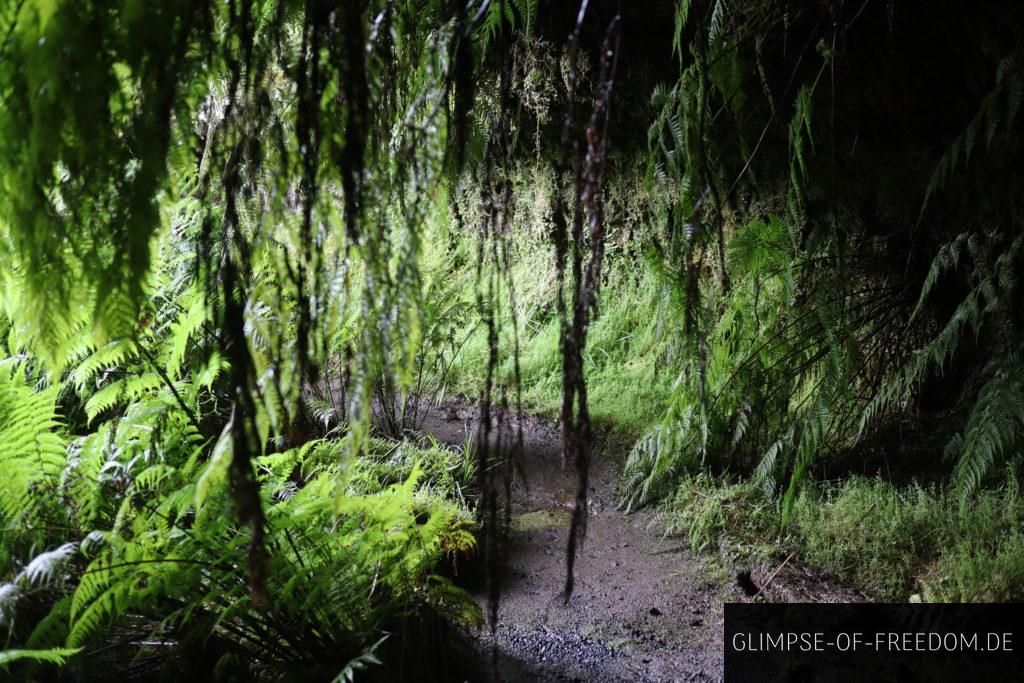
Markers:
point(576, 427)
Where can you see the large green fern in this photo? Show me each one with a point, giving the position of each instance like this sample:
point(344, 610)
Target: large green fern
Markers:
point(994, 428)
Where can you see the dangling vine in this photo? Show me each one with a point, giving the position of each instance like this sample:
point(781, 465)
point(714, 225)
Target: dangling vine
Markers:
point(576, 429)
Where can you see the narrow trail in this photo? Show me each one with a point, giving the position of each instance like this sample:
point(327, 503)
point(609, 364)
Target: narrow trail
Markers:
point(644, 607)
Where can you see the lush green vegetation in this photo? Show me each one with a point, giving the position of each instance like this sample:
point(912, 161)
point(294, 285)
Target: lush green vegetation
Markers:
point(918, 536)
point(772, 251)
point(797, 292)
point(894, 543)
point(213, 283)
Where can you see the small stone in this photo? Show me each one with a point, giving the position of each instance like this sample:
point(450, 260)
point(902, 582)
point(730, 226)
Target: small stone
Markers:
point(655, 612)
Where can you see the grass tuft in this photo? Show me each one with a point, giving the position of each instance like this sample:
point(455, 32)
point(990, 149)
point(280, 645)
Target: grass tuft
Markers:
point(892, 542)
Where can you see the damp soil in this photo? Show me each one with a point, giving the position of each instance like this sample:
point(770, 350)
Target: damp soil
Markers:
point(645, 607)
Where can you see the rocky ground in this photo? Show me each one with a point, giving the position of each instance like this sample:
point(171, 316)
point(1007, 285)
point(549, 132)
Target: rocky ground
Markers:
point(644, 606)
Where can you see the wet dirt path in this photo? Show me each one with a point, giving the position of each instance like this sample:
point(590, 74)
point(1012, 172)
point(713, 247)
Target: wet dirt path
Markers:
point(644, 609)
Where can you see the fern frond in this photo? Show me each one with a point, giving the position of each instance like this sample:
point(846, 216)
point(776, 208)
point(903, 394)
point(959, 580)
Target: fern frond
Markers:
point(188, 323)
point(45, 567)
point(994, 427)
point(111, 355)
point(54, 655)
point(998, 109)
point(32, 452)
point(122, 391)
point(947, 258)
point(363, 662)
